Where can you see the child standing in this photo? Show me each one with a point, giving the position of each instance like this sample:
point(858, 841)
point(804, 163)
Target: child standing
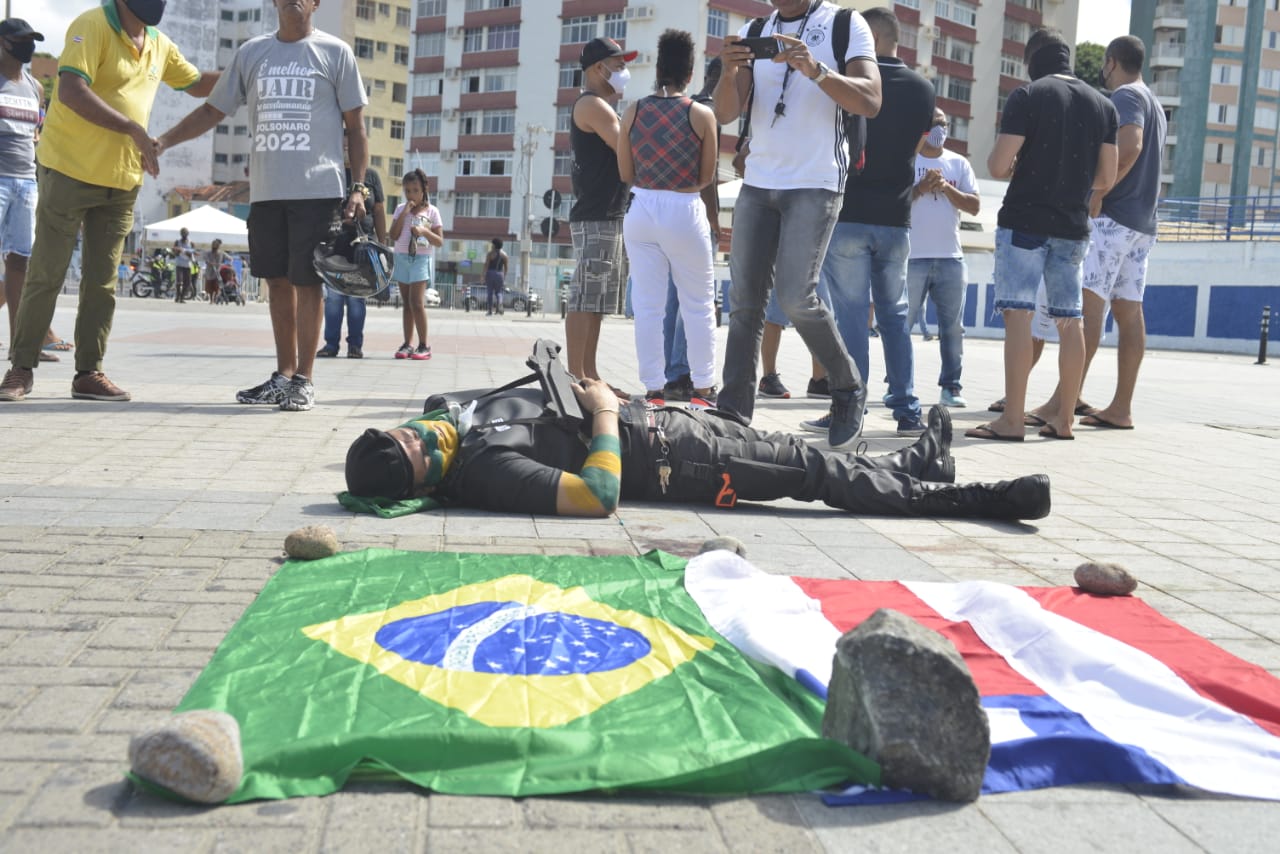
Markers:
point(416, 230)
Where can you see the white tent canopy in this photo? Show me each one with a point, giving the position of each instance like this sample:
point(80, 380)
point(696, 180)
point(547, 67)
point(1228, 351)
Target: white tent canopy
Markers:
point(203, 224)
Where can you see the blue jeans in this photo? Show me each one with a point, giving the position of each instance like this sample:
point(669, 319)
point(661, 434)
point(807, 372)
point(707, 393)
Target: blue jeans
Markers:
point(944, 281)
point(866, 263)
point(779, 239)
point(334, 303)
point(1023, 258)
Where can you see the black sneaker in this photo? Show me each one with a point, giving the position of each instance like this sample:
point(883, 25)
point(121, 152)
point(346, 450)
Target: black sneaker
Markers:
point(271, 392)
point(327, 352)
point(681, 388)
point(771, 386)
point(820, 389)
point(910, 426)
point(847, 411)
point(703, 400)
point(354, 352)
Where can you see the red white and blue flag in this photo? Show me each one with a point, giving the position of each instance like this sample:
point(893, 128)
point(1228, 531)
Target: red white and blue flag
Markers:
point(1078, 688)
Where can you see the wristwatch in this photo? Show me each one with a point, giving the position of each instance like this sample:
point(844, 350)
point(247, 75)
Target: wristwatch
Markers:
point(823, 73)
point(359, 188)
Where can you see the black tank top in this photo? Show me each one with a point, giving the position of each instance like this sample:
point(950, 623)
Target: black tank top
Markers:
point(598, 192)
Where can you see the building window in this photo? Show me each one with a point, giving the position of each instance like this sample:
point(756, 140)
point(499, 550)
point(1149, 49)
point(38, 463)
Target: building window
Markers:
point(240, 158)
point(395, 167)
point(504, 37)
point(384, 9)
point(427, 162)
point(959, 128)
point(493, 163)
point(497, 205)
point(228, 15)
point(472, 83)
point(223, 130)
point(375, 160)
point(379, 123)
point(564, 117)
point(1001, 99)
point(241, 130)
point(364, 48)
point(615, 27)
point(365, 10)
point(909, 36)
point(577, 30)
point(1011, 66)
point(426, 85)
point(469, 123)
point(379, 85)
point(910, 4)
point(430, 44)
point(1016, 31)
point(383, 47)
point(563, 164)
point(401, 56)
point(463, 204)
point(227, 43)
point(940, 47)
point(431, 8)
point(403, 16)
point(473, 40)
point(570, 75)
point(717, 23)
point(399, 92)
point(219, 158)
point(961, 52)
point(958, 11)
point(498, 121)
point(500, 79)
point(426, 124)
point(478, 5)
point(959, 90)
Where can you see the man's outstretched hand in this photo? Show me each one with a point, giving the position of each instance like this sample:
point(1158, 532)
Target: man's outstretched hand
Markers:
point(595, 394)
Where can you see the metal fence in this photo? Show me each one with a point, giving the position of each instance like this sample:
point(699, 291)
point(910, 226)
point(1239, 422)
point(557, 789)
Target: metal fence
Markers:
point(1220, 218)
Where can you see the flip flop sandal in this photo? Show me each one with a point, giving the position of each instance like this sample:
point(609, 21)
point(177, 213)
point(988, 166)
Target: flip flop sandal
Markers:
point(984, 431)
point(61, 345)
point(1083, 409)
point(1095, 420)
point(1032, 420)
point(998, 406)
point(1051, 432)
point(46, 356)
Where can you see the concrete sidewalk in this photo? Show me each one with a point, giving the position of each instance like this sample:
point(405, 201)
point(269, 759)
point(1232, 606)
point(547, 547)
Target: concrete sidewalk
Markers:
point(133, 535)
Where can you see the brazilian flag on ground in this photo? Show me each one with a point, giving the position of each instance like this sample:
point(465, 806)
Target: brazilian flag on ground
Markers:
point(509, 675)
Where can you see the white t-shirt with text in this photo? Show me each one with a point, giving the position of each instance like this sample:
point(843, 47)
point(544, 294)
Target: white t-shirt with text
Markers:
point(935, 222)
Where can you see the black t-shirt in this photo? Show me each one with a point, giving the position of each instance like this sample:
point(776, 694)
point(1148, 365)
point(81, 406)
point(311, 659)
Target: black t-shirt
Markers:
point(1063, 121)
point(881, 193)
point(598, 191)
point(376, 196)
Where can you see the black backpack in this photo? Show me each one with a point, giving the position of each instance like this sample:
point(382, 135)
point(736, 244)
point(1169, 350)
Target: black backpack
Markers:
point(855, 126)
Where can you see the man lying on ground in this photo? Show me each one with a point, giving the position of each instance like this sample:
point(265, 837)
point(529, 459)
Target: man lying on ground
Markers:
point(507, 450)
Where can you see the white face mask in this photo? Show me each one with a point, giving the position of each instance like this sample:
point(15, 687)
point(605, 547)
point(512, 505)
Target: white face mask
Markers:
point(937, 136)
point(618, 79)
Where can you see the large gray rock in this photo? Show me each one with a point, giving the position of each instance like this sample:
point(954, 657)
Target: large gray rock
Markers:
point(1105, 579)
point(902, 695)
point(195, 754)
point(312, 543)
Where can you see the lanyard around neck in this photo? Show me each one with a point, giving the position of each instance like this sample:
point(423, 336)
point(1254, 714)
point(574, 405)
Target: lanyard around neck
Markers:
point(780, 108)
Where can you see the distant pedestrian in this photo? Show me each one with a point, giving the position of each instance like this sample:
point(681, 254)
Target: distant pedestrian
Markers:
point(416, 229)
point(184, 253)
point(495, 275)
point(211, 265)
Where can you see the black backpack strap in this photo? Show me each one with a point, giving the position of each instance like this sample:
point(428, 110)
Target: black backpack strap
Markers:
point(754, 29)
point(840, 36)
point(855, 127)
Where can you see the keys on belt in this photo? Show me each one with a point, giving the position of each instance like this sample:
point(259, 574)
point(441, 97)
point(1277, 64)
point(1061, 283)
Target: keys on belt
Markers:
point(664, 464)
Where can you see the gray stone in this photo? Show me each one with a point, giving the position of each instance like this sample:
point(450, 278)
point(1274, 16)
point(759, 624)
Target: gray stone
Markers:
point(902, 695)
point(312, 543)
point(195, 754)
point(728, 544)
point(1105, 579)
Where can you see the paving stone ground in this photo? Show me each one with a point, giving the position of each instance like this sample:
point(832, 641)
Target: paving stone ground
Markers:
point(133, 535)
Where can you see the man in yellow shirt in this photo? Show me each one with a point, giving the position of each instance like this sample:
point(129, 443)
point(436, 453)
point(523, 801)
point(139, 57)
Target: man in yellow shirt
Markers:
point(90, 161)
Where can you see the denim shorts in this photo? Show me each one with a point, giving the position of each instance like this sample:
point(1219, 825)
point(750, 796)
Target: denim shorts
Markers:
point(411, 268)
point(1024, 258)
point(17, 215)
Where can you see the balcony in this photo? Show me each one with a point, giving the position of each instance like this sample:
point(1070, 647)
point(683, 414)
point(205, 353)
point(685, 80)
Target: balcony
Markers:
point(1171, 132)
point(1168, 54)
point(1169, 92)
point(1170, 16)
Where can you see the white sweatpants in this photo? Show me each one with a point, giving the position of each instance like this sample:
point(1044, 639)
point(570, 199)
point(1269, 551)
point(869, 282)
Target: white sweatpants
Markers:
point(666, 233)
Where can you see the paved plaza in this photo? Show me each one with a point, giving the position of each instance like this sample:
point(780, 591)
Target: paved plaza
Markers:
point(133, 535)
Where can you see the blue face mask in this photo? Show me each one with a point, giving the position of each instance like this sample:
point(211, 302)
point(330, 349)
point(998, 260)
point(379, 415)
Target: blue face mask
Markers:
point(937, 136)
point(149, 12)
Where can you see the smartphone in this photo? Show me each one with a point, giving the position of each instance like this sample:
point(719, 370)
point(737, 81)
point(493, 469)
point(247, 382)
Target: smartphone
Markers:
point(764, 47)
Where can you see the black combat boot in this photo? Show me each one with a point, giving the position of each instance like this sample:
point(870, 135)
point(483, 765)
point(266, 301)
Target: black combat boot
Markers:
point(929, 457)
point(1023, 498)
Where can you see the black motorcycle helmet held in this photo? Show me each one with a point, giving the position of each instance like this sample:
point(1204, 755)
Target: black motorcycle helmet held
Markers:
point(353, 264)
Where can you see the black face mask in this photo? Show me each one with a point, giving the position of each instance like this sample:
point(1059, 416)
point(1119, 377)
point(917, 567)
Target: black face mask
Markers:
point(1052, 58)
point(21, 50)
point(149, 12)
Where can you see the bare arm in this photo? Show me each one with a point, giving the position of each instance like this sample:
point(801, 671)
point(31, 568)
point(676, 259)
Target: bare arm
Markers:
point(1004, 155)
point(626, 165)
point(595, 491)
point(704, 124)
point(198, 121)
point(970, 203)
point(380, 221)
point(593, 114)
point(435, 236)
point(1104, 174)
point(357, 155)
point(202, 87)
point(734, 86)
point(397, 225)
point(74, 91)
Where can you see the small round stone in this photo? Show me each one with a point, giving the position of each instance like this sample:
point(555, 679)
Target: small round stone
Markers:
point(195, 754)
point(1105, 579)
point(312, 543)
point(728, 544)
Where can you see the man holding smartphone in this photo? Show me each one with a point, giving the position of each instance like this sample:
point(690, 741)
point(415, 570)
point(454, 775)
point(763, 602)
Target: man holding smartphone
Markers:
point(791, 192)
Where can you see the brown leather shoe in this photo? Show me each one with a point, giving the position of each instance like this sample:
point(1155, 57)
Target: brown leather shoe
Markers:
point(17, 383)
point(96, 386)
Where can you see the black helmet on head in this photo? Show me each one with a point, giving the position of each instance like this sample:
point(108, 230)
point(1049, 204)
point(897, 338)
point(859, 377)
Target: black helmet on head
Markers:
point(354, 264)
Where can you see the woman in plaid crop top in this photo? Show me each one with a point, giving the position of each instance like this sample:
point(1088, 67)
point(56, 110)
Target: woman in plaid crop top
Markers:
point(667, 151)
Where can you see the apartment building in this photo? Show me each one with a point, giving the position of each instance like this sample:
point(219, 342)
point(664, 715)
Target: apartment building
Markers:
point(1215, 66)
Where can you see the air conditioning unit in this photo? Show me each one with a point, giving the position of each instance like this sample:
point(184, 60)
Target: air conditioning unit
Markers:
point(934, 33)
point(638, 13)
point(445, 196)
point(449, 115)
point(928, 72)
point(453, 73)
point(454, 32)
point(448, 155)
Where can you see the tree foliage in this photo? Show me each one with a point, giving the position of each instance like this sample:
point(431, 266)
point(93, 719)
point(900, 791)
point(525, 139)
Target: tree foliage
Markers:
point(1089, 63)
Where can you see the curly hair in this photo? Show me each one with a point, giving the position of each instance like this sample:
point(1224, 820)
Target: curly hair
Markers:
point(675, 60)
